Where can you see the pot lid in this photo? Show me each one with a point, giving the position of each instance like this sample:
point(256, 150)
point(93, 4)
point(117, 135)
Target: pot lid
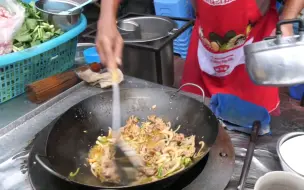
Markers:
point(145, 28)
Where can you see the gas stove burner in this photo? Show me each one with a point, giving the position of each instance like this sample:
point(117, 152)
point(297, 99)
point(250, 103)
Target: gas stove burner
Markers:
point(218, 164)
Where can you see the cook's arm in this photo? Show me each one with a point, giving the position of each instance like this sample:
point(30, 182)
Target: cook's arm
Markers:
point(292, 9)
point(108, 9)
point(109, 43)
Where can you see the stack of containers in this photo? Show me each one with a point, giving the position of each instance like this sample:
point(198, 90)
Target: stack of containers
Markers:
point(177, 8)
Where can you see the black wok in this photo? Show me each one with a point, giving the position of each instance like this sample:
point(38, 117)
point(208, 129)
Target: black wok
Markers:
point(77, 129)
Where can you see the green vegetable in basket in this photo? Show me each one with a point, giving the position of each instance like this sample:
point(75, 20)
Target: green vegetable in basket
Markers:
point(34, 30)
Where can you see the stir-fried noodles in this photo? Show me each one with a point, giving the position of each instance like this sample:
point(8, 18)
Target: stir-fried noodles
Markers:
point(163, 150)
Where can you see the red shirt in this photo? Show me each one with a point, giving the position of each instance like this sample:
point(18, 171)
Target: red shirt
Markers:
point(216, 58)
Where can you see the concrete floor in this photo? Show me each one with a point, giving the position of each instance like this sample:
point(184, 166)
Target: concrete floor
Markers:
point(291, 108)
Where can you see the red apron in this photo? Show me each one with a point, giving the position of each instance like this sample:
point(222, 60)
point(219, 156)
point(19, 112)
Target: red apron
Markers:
point(216, 58)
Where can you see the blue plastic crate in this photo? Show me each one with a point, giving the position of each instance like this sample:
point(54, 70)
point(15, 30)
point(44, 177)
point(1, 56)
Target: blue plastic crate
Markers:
point(180, 50)
point(185, 36)
point(186, 39)
point(22, 68)
point(296, 92)
point(181, 44)
point(182, 53)
point(183, 48)
point(176, 8)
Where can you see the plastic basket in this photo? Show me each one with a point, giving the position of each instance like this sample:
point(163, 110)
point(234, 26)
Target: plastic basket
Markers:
point(22, 68)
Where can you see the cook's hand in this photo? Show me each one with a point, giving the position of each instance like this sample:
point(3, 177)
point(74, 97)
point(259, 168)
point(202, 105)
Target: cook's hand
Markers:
point(109, 43)
point(287, 30)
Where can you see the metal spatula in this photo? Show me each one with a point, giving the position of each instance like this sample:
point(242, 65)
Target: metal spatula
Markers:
point(127, 159)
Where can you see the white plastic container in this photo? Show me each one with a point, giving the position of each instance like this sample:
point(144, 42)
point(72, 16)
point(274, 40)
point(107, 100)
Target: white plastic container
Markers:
point(280, 180)
point(290, 152)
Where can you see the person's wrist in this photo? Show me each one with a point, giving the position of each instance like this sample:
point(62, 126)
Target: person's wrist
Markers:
point(287, 29)
point(108, 15)
point(105, 21)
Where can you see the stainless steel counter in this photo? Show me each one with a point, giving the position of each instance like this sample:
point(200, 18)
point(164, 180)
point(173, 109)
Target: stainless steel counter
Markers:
point(21, 120)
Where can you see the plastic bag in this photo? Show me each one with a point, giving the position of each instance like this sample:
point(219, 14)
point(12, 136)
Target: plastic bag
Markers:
point(12, 16)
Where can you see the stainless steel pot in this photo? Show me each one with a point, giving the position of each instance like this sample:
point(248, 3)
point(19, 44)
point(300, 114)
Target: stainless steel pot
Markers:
point(145, 28)
point(149, 59)
point(142, 62)
point(277, 61)
point(51, 8)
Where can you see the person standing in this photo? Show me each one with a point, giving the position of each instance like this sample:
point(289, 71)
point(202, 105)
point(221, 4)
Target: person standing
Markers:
point(215, 59)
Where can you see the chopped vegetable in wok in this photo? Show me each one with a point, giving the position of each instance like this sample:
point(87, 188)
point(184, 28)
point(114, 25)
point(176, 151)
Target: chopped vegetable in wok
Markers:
point(164, 150)
point(75, 173)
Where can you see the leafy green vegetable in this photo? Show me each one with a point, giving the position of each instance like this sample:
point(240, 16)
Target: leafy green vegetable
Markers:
point(31, 23)
point(34, 30)
point(23, 38)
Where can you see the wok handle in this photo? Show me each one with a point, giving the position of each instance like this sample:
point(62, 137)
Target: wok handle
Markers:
point(39, 160)
point(249, 154)
point(195, 85)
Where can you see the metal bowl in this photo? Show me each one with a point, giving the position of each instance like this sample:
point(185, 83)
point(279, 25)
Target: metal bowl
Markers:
point(51, 8)
point(283, 139)
point(146, 28)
